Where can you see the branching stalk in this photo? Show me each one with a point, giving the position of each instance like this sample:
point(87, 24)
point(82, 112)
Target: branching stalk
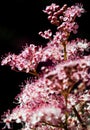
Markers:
point(65, 52)
point(79, 118)
point(65, 94)
point(30, 72)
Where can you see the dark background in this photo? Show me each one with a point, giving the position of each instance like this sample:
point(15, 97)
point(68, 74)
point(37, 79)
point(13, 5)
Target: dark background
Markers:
point(20, 22)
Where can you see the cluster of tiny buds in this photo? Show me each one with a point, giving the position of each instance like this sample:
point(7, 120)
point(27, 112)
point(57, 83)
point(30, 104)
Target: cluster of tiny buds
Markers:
point(54, 12)
point(64, 17)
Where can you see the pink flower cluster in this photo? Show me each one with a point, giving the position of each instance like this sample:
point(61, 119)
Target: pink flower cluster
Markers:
point(30, 57)
point(47, 34)
point(26, 60)
point(42, 102)
point(64, 17)
point(59, 98)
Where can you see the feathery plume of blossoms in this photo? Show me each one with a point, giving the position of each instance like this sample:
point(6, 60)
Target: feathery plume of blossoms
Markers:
point(32, 55)
point(59, 99)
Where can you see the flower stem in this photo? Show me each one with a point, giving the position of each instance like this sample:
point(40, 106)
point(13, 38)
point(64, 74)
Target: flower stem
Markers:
point(79, 118)
point(65, 94)
point(34, 73)
point(66, 114)
point(65, 52)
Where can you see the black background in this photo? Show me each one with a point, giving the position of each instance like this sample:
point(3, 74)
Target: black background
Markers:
point(20, 22)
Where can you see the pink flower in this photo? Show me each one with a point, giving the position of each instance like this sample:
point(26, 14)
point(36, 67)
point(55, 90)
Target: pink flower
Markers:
point(73, 11)
point(47, 34)
point(58, 98)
